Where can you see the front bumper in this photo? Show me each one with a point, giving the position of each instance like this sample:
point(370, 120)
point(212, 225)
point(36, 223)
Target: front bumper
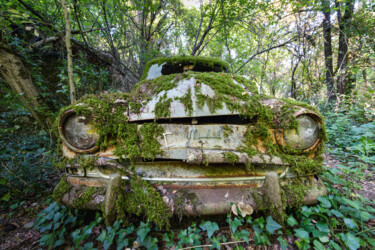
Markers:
point(198, 195)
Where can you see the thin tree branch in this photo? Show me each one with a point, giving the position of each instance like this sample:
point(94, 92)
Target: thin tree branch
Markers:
point(262, 51)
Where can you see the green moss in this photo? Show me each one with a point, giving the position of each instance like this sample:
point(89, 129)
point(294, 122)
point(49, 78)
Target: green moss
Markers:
point(187, 101)
point(302, 165)
point(226, 91)
point(230, 157)
point(146, 89)
point(208, 61)
point(264, 204)
point(135, 107)
point(120, 205)
point(82, 198)
point(162, 107)
point(227, 131)
point(61, 188)
point(144, 199)
point(150, 145)
point(294, 194)
point(127, 141)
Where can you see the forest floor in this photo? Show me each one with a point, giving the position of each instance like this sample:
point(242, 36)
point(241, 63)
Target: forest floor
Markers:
point(16, 225)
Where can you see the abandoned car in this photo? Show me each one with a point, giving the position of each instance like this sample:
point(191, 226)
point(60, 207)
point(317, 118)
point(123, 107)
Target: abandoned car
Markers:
point(191, 138)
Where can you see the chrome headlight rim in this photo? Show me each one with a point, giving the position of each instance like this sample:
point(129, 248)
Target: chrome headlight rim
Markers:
point(63, 119)
point(284, 145)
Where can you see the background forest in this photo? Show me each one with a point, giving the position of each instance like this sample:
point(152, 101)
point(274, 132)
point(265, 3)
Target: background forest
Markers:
point(319, 52)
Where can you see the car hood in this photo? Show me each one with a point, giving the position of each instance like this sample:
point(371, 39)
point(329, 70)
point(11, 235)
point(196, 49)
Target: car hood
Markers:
point(189, 94)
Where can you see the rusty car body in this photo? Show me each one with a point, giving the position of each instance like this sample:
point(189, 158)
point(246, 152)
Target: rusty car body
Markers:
point(218, 142)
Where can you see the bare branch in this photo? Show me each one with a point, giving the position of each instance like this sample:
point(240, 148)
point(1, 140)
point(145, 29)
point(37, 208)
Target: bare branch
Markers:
point(262, 51)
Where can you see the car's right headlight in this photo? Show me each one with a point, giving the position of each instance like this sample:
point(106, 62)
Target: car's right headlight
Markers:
point(308, 132)
point(78, 132)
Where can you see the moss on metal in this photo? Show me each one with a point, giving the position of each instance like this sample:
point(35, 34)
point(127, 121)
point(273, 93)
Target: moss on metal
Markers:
point(208, 61)
point(294, 194)
point(61, 188)
point(227, 131)
point(82, 198)
point(187, 101)
point(162, 107)
point(150, 145)
point(231, 157)
point(145, 200)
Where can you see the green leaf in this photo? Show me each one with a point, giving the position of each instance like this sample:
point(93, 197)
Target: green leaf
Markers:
point(302, 234)
point(244, 235)
point(13, 11)
point(88, 246)
point(283, 243)
point(349, 223)
point(351, 203)
point(323, 227)
point(102, 236)
point(216, 242)
point(291, 221)
point(318, 245)
point(303, 244)
point(324, 201)
point(3, 181)
point(150, 243)
point(334, 245)
point(210, 227)
point(337, 213)
point(272, 225)
point(352, 242)
point(365, 216)
point(234, 224)
point(142, 231)
point(324, 239)
point(317, 234)
point(6, 197)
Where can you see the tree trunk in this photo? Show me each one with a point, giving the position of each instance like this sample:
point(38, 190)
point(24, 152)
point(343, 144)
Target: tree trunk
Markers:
point(15, 73)
point(293, 89)
point(328, 49)
point(68, 45)
point(342, 61)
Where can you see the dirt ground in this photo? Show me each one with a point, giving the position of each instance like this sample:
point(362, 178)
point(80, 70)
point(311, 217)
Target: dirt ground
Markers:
point(16, 230)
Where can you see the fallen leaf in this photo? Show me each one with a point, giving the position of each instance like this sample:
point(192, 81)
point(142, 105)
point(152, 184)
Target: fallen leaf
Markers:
point(245, 209)
point(234, 210)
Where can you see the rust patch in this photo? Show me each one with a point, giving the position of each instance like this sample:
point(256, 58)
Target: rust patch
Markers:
point(85, 181)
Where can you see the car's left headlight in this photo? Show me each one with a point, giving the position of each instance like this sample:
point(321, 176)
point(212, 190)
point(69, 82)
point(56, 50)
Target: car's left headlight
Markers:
point(308, 132)
point(78, 132)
